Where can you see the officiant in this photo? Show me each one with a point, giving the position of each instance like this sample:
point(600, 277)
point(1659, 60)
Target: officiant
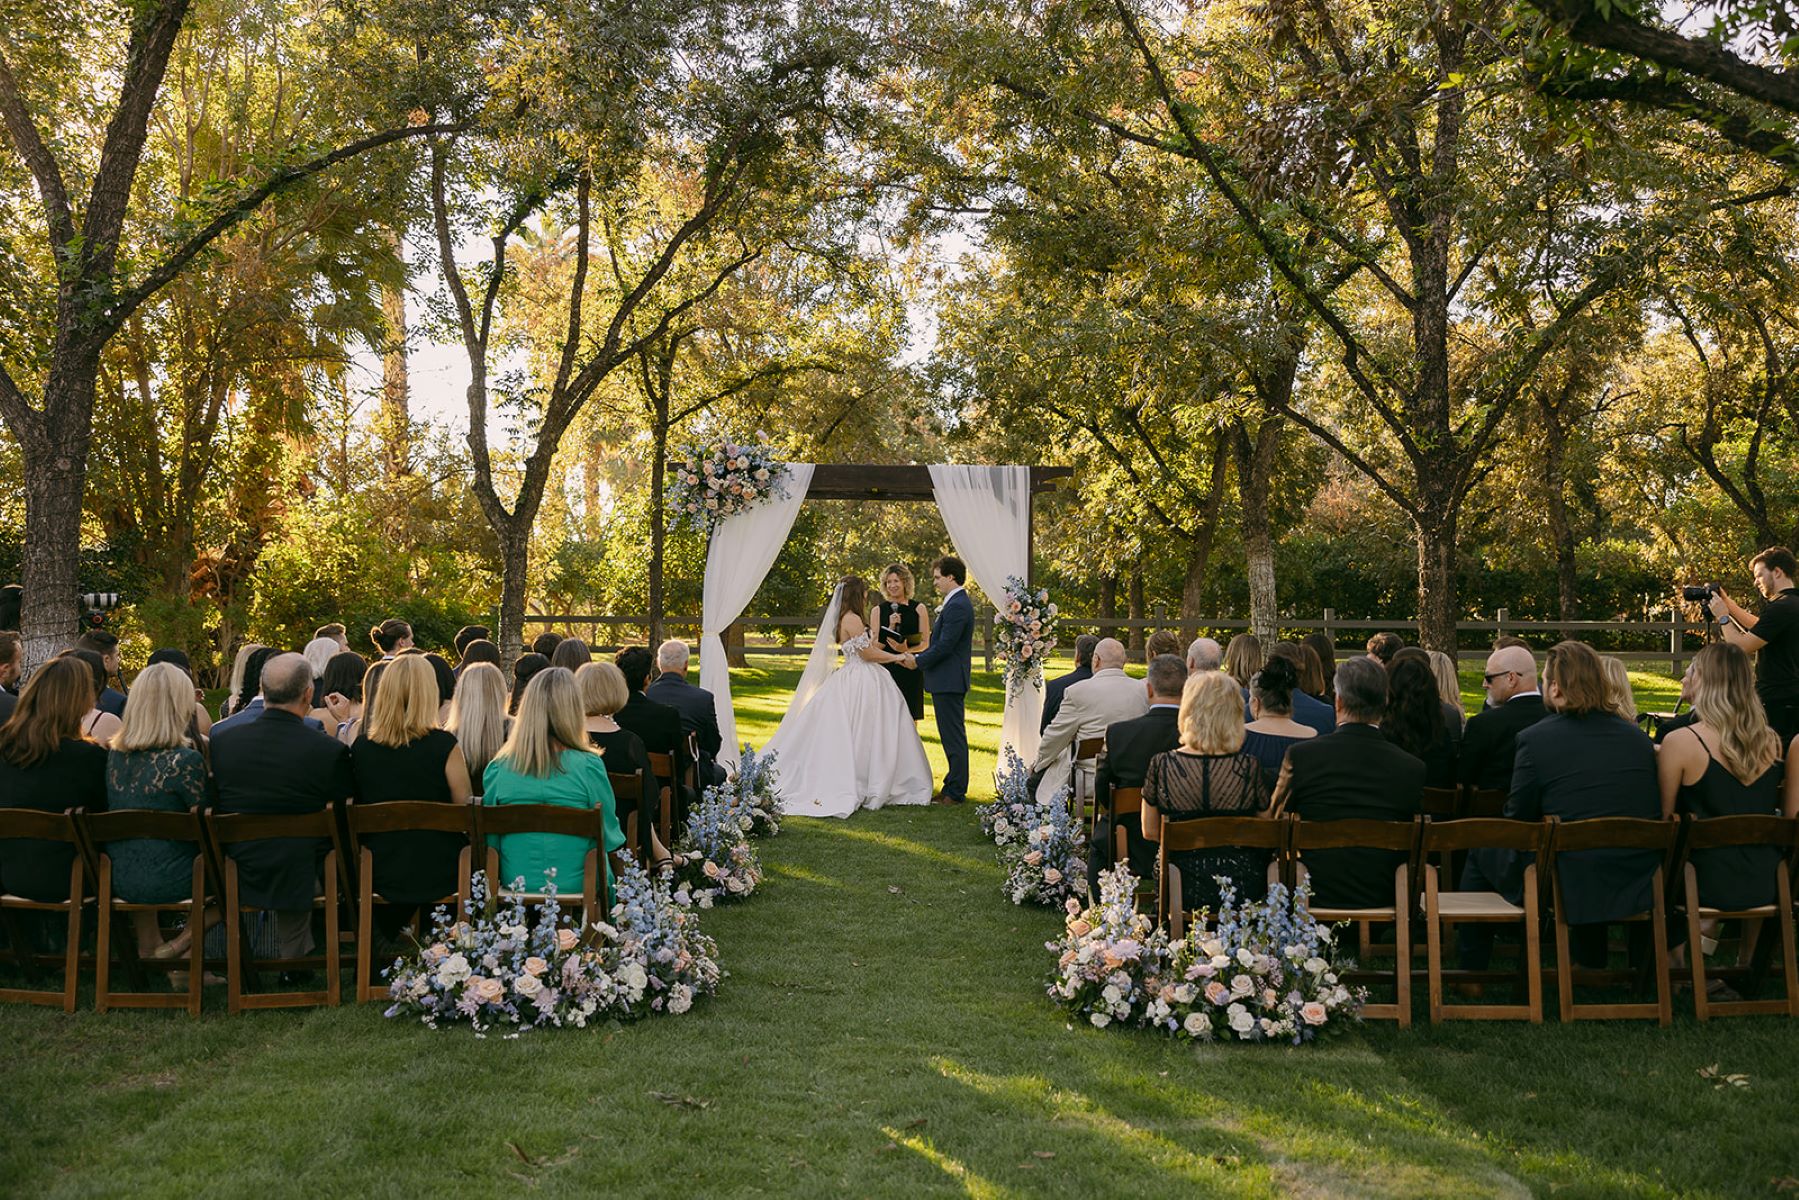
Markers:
point(904, 625)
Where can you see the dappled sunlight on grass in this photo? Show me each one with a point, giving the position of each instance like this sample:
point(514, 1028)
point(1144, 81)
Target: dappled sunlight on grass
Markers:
point(905, 845)
point(974, 1185)
point(788, 871)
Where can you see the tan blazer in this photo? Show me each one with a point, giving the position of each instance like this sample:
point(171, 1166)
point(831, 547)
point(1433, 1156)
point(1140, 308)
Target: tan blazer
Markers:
point(1088, 709)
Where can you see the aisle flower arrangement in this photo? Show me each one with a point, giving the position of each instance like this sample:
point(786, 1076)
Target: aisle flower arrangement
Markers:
point(721, 478)
point(519, 969)
point(1039, 844)
point(750, 792)
point(1262, 971)
point(1025, 632)
point(714, 859)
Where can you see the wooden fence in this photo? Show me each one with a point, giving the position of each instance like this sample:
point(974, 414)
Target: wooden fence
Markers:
point(1671, 641)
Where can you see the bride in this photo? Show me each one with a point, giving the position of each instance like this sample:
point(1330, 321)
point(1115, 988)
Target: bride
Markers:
point(848, 740)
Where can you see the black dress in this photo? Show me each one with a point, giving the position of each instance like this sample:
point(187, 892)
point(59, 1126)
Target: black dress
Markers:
point(416, 867)
point(625, 754)
point(73, 776)
point(901, 630)
point(1733, 877)
point(1180, 786)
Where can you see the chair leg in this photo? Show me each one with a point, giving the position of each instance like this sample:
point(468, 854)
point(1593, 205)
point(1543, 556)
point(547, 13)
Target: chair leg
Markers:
point(365, 926)
point(71, 973)
point(1433, 943)
point(234, 942)
point(1533, 947)
point(1564, 964)
point(1790, 960)
point(196, 939)
point(103, 938)
point(1658, 930)
point(1402, 948)
point(334, 978)
point(1702, 1008)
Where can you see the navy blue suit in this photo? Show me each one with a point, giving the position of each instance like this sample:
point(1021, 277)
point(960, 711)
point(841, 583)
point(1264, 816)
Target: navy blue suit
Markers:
point(948, 666)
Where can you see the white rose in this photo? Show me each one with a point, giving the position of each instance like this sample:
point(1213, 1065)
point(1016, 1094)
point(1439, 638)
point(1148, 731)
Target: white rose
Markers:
point(1100, 1020)
point(1197, 1024)
point(1220, 962)
point(527, 985)
point(1212, 946)
point(1316, 965)
point(1245, 958)
point(1111, 994)
point(1242, 985)
point(680, 999)
point(1241, 1020)
point(1184, 994)
point(454, 970)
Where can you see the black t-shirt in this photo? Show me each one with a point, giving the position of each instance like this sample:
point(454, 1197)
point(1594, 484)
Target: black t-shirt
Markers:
point(1777, 666)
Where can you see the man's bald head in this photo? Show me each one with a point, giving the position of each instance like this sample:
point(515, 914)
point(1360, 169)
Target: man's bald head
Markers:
point(1108, 655)
point(1510, 671)
point(287, 683)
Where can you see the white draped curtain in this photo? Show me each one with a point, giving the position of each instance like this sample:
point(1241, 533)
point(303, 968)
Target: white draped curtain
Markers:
point(987, 511)
point(742, 550)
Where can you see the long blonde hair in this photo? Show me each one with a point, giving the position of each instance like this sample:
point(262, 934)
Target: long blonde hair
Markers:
point(1724, 697)
point(603, 688)
point(478, 715)
point(405, 707)
point(1617, 687)
point(1449, 684)
point(1243, 658)
point(1211, 713)
point(550, 723)
point(159, 711)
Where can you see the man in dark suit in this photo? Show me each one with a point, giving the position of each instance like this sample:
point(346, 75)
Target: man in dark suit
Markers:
point(1354, 773)
point(257, 706)
point(12, 656)
point(657, 725)
point(1083, 669)
point(1491, 737)
point(699, 711)
point(948, 666)
point(275, 764)
point(1129, 747)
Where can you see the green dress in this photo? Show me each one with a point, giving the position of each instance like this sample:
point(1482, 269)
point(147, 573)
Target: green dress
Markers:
point(152, 870)
point(578, 782)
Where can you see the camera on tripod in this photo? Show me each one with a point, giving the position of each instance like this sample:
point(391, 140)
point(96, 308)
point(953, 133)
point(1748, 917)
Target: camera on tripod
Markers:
point(95, 606)
point(1699, 593)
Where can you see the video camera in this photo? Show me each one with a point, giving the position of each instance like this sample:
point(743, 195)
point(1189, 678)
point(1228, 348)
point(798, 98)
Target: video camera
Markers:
point(1699, 593)
point(95, 606)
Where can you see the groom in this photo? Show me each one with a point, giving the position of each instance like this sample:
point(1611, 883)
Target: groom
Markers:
point(948, 664)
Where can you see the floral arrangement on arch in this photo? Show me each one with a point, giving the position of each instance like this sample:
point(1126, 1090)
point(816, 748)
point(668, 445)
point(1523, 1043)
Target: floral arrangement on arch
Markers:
point(510, 970)
point(1039, 844)
point(750, 791)
point(1262, 971)
point(1026, 632)
point(717, 479)
point(713, 860)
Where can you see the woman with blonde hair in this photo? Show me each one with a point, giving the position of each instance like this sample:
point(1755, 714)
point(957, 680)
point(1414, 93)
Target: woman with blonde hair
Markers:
point(1728, 763)
point(547, 760)
point(154, 764)
point(403, 755)
point(46, 763)
point(478, 717)
point(1449, 690)
point(903, 626)
point(1617, 687)
point(1243, 658)
point(1209, 775)
point(603, 693)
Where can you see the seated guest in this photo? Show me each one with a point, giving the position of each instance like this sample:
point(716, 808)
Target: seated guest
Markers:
point(1354, 773)
point(658, 725)
point(341, 685)
point(318, 654)
point(467, 635)
point(105, 643)
point(1488, 743)
point(603, 693)
point(547, 760)
point(253, 708)
point(1208, 776)
point(479, 651)
point(276, 763)
point(1619, 696)
point(1449, 691)
point(1161, 642)
point(402, 755)
point(699, 712)
point(1581, 761)
point(1083, 669)
point(445, 678)
point(1726, 764)
point(571, 654)
point(46, 763)
point(236, 694)
point(336, 632)
point(1311, 675)
point(1321, 646)
point(1205, 654)
point(1313, 714)
point(1680, 720)
point(545, 643)
point(1088, 709)
point(1129, 747)
point(95, 724)
point(524, 668)
point(478, 716)
point(154, 764)
point(1243, 658)
point(391, 637)
point(1383, 646)
point(12, 658)
point(1272, 728)
point(1414, 718)
point(178, 658)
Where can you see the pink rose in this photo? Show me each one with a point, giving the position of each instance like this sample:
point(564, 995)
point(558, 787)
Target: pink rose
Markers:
point(710, 869)
point(1216, 992)
point(1079, 928)
point(566, 939)
point(1313, 1013)
point(535, 965)
point(488, 991)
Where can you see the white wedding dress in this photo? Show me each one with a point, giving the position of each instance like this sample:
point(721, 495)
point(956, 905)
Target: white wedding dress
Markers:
point(849, 743)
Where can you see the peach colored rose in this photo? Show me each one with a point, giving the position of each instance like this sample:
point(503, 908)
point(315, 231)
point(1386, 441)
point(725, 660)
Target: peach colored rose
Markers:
point(1079, 928)
point(567, 939)
point(1313, 1013)
point(535, 965)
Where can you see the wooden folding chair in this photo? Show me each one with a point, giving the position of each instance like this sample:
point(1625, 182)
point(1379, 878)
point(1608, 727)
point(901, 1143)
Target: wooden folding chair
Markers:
point(1401, 836)
point(663, 770)
point(46, 827)
point(1082, 808)
point(1207, 833)
point(230, 829)
point(585, 823)
point(634, 801)
point(400, 816)
point(1714, 833)
point(99, 831)
point(1485, 803)
point(1442, 803)
point(1446, 907)
point(1615, 833)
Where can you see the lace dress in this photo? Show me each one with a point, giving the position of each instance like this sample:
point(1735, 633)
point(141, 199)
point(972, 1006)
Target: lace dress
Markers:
point(851, 745)
point(152, 870)
point(1183, 786)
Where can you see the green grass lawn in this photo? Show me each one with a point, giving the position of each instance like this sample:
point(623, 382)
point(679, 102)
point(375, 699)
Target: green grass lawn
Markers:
point(883, 1032)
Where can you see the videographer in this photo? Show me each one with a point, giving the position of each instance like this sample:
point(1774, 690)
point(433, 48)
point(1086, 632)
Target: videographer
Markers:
point(1773, 636)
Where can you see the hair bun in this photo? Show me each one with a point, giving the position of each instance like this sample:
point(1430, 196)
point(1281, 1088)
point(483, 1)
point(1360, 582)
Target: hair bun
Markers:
point(1278, 676)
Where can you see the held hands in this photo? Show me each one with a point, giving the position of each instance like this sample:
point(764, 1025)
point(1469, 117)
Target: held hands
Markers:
point(909, 661)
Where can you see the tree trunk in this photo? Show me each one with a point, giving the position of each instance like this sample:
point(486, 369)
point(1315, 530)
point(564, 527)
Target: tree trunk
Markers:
point(52, 553)
point(1134, 649)
point(733, 640)
point(658, 530)
point(1199, 557)
point(1108, 604)
point(1437, 603)
point(515, 561)
point(1560, 533)
point(396, 415)
point(1255, 470)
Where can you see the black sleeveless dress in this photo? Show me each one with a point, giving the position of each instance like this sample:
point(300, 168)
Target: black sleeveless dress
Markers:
point(900, 630)
point(1733, 877)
